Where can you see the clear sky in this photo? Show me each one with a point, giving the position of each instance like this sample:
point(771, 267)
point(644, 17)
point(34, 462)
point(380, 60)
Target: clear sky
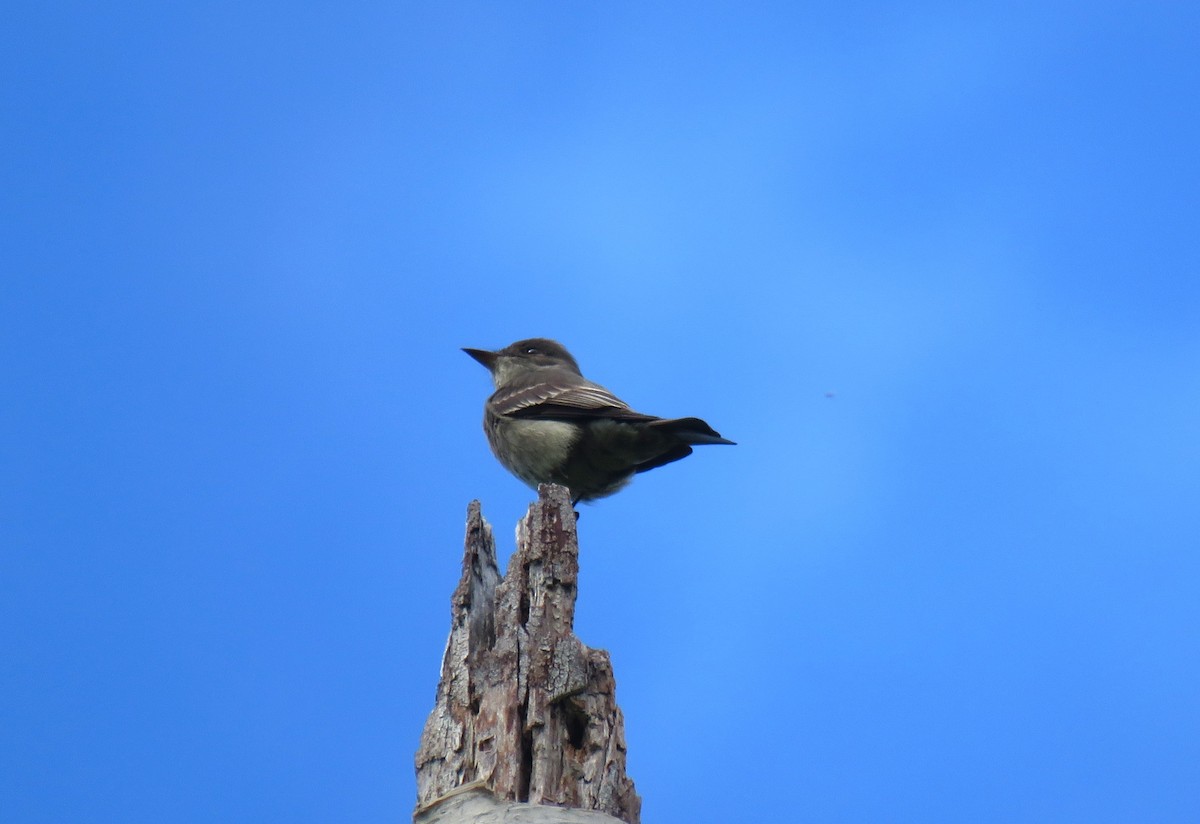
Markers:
point(934, 266)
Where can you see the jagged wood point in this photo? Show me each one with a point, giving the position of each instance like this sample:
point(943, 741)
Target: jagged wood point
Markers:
point(526, 714)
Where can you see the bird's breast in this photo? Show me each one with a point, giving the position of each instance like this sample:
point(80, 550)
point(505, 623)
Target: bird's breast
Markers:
point(535, 451)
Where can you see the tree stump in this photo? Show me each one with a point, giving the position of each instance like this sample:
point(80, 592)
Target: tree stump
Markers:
point(525, 714)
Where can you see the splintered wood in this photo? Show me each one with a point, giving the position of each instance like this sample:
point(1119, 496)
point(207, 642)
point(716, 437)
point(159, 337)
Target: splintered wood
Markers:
point(524, 709)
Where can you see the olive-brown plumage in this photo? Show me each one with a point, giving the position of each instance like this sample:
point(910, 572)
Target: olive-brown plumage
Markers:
point(546, 423)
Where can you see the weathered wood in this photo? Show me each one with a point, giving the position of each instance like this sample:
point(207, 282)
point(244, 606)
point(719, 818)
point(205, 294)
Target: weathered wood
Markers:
point(477, 805)
point(524, 708)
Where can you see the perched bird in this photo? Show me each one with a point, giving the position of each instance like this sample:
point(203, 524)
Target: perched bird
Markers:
point(548, 424)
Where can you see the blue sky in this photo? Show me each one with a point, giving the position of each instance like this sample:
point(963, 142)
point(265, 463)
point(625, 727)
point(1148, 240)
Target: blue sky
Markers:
point(933, 266)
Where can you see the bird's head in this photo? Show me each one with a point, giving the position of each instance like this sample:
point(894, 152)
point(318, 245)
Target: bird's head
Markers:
point(524, 356)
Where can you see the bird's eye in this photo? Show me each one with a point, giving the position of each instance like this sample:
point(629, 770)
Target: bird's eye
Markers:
point(532, 350)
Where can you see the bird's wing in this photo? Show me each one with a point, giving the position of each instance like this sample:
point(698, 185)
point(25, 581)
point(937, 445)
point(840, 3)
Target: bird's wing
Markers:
point(567, 398)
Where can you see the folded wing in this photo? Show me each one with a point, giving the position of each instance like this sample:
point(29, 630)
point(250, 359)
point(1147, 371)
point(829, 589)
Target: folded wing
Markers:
point(567, 399)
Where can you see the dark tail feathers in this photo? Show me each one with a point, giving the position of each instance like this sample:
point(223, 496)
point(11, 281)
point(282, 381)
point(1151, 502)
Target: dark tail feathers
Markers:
point(691, 431)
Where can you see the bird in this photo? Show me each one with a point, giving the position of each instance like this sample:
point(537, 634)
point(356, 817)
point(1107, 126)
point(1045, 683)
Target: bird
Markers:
point(546, 423)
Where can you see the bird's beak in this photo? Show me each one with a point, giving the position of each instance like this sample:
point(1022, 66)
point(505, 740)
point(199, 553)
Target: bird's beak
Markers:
point(485, 357)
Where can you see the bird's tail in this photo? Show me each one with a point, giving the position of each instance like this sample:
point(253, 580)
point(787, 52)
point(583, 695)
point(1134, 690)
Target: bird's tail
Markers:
point(691, 431)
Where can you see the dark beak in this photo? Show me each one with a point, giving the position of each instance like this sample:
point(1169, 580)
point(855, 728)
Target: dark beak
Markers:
point(485, 357)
